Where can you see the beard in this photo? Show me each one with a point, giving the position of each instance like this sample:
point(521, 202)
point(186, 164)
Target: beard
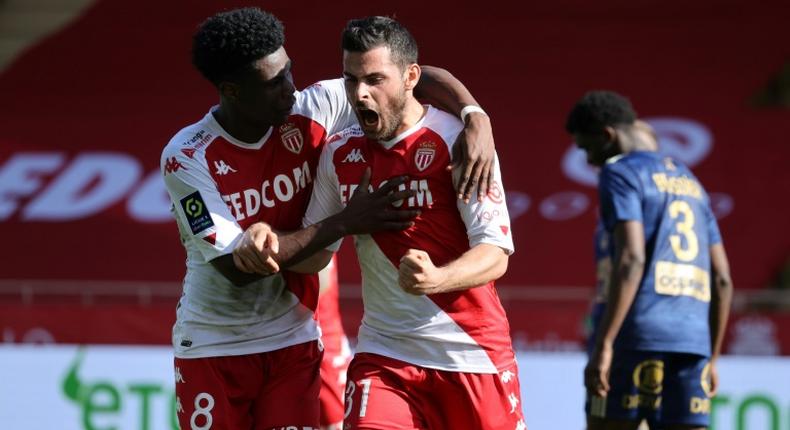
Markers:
point(391, 118)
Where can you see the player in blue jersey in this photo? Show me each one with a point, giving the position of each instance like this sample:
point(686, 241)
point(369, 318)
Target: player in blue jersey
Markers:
point(657, 341)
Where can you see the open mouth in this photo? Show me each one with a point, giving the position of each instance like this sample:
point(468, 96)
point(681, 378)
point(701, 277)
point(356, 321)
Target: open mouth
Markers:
point(368, 117)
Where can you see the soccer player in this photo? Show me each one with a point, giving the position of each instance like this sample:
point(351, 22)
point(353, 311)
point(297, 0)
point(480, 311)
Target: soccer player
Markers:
point(337, 352)
point(660, 334)
point(246, 346)
point(434, 347)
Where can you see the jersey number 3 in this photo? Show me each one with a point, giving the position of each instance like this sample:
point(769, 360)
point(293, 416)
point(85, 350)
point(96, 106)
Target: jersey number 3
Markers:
point(684, 226)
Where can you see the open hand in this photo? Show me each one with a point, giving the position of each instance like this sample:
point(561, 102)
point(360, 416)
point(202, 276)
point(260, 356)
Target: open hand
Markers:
point(370, 211)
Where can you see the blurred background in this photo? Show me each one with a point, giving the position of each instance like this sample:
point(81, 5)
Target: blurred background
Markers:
point(92, 90)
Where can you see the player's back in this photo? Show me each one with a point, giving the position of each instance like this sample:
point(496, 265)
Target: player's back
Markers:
point(670, 312)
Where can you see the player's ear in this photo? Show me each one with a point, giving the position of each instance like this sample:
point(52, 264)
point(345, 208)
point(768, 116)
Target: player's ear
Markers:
point(229, 90)
point(412, 76)
point(610, 133)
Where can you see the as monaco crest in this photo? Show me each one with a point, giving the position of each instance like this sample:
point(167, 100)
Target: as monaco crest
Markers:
point(291, 137)
point(424, 155)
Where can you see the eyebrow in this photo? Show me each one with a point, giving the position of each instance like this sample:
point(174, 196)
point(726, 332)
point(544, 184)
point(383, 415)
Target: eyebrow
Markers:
point(369, 75)
point(282, 73)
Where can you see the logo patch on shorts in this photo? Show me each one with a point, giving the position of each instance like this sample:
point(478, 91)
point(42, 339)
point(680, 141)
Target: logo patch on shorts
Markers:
point(196, 212)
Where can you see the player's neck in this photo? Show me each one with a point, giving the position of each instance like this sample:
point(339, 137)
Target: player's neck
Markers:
point(412, 114)
point(237, 126)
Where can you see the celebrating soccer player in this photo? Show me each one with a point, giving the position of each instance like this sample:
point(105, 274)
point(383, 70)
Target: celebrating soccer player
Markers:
point(246, 344)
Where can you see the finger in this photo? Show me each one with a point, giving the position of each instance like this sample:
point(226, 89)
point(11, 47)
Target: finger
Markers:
point(270, 266)
point(410, 264)
point(400, 195)
point(474, 179)
point(254, 260)
point(395, 215)
point(485, 181)
point(273, 242)
point(391, 185)
point(466, 172)
point(396, 226)
point(364, 181)
point(240, 264)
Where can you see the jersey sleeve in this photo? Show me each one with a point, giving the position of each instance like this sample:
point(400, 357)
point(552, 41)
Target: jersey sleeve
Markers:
point(620, 197)
point(488, 221)
point(326, 103)
point(198, 206)
point(325, 200)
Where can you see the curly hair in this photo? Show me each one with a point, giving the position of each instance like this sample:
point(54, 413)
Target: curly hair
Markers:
point(226, 44)
point(597, 110)
point(362, 35)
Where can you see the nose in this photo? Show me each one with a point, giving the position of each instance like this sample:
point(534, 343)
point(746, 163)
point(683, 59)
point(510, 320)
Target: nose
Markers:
point(361, 92)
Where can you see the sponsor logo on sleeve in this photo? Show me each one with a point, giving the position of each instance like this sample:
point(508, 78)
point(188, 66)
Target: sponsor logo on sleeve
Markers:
point(196, 213)
point(172, 165)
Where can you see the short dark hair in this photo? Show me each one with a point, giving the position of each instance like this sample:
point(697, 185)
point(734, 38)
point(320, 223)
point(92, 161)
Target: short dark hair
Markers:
point(597, 110)
point(227, 43)
point(362, 35)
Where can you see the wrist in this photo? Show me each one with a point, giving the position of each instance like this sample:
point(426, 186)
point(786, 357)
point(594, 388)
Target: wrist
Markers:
point(472, 112)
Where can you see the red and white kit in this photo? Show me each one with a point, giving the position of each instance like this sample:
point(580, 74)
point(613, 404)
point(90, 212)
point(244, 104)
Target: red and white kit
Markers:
point(219, 186)
point(464, 331)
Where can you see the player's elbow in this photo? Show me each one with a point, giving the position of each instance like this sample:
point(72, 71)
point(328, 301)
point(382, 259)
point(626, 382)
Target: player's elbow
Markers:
point(722, 284)
point(500, 265)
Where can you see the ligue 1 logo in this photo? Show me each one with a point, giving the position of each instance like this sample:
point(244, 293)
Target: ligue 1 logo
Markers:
point(291, 137)
point(424, 155)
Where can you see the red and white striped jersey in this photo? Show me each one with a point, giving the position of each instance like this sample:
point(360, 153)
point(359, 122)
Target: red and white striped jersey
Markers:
point(219, 186)
point(464, 331)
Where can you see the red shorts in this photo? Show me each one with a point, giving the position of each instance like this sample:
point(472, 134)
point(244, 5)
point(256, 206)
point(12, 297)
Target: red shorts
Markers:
point(334, 367)
point(384, 393)
point(276, 389)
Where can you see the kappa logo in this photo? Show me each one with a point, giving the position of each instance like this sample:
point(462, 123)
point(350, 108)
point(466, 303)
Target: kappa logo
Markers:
point(172, 165)
point(495, 192)
point(223, 168)
point(291, 137)
point(355, 156)
point(424, 155)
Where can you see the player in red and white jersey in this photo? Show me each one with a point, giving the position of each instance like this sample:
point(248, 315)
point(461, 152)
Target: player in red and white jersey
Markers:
point(246, 344)
point(337, 352)
point(434, 347)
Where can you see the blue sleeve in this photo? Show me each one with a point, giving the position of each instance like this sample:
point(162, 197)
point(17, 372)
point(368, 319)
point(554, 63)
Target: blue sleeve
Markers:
point(714, 236)
point(621, 198)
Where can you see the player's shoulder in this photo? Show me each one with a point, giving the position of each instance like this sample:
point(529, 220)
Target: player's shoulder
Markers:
point(345, 141)
point(445, 125)
point(190, 140)
point(319, 95)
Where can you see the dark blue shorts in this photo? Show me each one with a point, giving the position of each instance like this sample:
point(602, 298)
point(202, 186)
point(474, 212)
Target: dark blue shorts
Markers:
point(661, 387)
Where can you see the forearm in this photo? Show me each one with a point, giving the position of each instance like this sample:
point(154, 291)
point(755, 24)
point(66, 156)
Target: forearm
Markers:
point(478, 266)
point(629, 266)
point(298, 246)
point(625, 283)
point(721, 299)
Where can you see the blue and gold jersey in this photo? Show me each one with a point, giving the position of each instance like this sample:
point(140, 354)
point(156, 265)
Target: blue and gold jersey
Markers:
point(670, 311)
